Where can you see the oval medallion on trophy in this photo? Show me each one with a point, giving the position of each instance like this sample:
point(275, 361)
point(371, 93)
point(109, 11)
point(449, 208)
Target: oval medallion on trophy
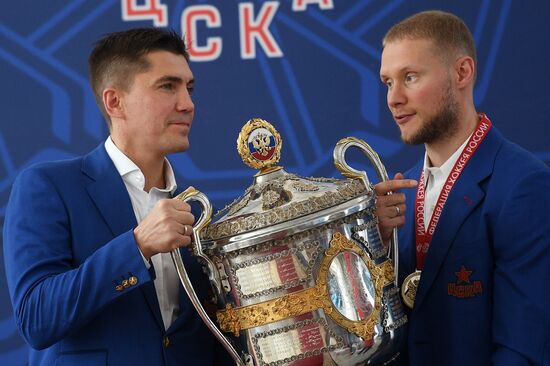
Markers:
point(259, 144)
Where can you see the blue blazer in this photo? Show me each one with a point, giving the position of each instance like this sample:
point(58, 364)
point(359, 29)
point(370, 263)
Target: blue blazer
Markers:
point(484, 296)
point(68, 246)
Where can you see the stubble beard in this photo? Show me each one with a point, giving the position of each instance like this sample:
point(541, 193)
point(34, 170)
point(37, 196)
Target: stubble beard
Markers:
point(441, 126)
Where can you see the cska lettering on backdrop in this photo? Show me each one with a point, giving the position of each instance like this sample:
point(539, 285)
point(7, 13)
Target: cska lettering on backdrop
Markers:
point(253, 28)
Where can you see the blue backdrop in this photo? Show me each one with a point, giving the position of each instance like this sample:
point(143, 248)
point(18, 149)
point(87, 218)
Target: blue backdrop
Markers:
point(308, 66)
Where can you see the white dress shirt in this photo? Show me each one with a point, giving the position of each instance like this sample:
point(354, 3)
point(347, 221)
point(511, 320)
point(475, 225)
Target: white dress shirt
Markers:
point(166, 281)
point(435, 179)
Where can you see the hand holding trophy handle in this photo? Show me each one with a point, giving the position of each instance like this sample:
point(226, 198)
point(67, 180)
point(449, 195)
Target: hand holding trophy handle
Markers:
point(202, 222)
point(349, 172)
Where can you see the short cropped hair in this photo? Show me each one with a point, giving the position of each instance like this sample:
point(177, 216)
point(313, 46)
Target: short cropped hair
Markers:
point(447, 31)
point(119, 56)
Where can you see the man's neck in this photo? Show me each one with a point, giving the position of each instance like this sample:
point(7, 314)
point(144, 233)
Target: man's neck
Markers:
point(442, 149)
point(152, 167)
point(154, 177)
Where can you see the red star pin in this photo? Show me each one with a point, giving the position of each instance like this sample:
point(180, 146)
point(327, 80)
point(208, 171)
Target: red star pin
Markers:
point(463, 275)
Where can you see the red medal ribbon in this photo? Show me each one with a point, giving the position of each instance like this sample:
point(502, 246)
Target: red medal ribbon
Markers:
point(424, 237)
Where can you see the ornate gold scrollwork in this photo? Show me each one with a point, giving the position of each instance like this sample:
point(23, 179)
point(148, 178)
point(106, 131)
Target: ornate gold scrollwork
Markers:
point(301, 302)
point(349, 189)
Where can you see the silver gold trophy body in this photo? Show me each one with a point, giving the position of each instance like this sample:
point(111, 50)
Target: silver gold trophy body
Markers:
point(299, 272)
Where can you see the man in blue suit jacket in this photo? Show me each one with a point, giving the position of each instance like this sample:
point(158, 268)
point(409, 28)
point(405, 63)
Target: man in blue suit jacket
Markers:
point(475, 245)
point(87, 241)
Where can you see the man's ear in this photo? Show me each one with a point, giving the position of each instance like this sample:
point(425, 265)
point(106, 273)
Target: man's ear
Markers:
point(465, 71)
point(112, 101)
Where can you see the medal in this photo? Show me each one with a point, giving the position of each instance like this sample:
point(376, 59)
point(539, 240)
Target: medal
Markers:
point(409, 288)
point(424, 235)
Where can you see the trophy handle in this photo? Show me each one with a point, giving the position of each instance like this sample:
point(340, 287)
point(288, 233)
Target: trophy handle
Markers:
point(202, 222)
point(349, 172)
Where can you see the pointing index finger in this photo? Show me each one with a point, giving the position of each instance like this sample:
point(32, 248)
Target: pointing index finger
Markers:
point(383, 188)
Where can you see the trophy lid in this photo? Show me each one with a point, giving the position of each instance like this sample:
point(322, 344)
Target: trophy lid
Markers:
point(276, 197)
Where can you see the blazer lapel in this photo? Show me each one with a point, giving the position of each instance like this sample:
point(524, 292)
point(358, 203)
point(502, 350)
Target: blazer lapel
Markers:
point(111, 198)
point(455, 211)
point(108, 191)
point(463, 199)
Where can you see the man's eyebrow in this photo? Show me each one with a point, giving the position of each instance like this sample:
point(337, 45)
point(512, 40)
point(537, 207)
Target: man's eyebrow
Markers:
point(173, 79)
point(402, 70)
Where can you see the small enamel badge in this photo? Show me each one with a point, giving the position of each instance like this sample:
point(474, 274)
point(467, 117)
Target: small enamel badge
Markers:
point(464, 287)
point(259, 144)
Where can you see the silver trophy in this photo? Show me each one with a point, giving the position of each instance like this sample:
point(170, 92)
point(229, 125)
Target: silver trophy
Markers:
point(300, 274)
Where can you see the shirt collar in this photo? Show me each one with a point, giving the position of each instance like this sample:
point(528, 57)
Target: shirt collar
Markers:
point(128, 169)
point(447, 166)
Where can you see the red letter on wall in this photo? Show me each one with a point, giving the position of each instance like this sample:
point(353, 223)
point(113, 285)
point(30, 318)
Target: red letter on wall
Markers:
point(189, 19)
point(301, 5)
point(151, 10)
point(257, 29)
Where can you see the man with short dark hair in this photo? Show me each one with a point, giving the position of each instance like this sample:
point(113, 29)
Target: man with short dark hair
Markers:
point(475, 245)
point(87, 240)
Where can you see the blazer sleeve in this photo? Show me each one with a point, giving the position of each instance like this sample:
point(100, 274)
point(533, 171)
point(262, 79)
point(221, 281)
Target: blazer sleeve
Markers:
point(51, 295)
point(521, 319)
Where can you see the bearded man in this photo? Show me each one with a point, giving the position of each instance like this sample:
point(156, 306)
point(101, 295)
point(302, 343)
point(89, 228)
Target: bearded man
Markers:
point(475, 241)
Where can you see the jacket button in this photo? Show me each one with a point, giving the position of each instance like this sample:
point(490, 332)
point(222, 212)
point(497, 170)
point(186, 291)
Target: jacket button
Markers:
point(133, 280)
point(119, 288)
point(125, 284)
point(166, 341)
